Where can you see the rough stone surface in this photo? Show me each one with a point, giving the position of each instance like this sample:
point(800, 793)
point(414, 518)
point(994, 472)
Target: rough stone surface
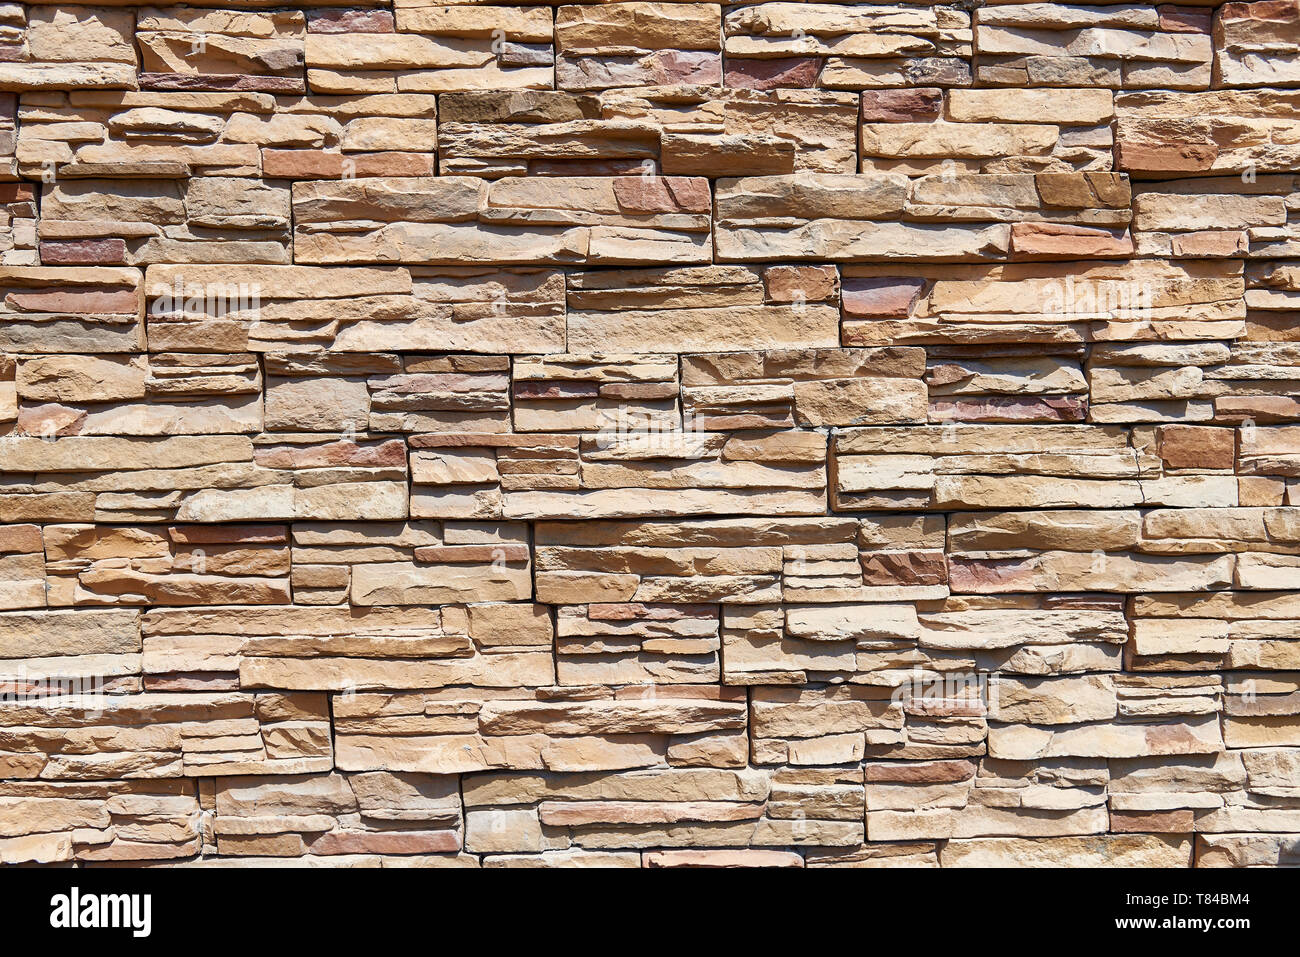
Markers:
point(652, 434)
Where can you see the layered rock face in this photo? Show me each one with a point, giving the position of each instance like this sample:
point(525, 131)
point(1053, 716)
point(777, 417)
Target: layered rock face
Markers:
point(650, 434)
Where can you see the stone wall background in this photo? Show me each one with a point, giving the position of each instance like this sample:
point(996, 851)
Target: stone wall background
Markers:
point(650, 433)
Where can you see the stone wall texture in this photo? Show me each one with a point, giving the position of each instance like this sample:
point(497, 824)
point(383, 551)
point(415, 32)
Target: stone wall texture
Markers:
point(650, 433)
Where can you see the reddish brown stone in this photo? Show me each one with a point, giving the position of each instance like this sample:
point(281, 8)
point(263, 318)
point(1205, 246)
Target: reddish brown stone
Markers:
point(788, 72)
point(1197, 447)
point(688, 67)
point(393, 164)
point(20, 766)
point(349, 21)
point(1174, 19)
point(90, 301)
point(1006, 408)
point(50, 419)
point(388, 453)
point(1168, 157)
point(988, 574)
point(652, 692)
point(1260, 491)
point(262, 845)
point(638, 391)
point(17, 192)
point(800, 283)
point(555, 390)
point(901, 106)
point(1260, 408)
point(884, 298)
point(1211, 244)
point(1181, 821)
point(321, 576)
point(904, 568)
point(193, 681)
point(320, 164)
point(920, 772)
point(20, 538)
point(663, 194)
point(302, 164)
point(1066, 241)
point(773, 420)
point(83, 252)
point(1278, 11)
